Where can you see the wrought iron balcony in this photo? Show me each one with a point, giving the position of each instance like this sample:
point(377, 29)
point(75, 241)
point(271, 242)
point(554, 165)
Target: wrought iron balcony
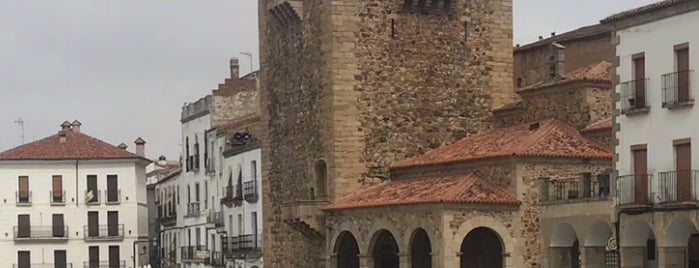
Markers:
point(194, 253)
point(57, 200)
point(216, 259)
point(677, 89)
point(193, 210)
point(634, 189)
point(215, 218)
point(103, 232)
point(633, 96)
point(44, 265)
point(104, 264)
point(167, 217)
point(250, 191)
point(583, 188)
point(35, 233)
point(23, 199)
point(233, 195)
point(112, 198)
point(677, 186)
point(92, 198)
point(250, 242)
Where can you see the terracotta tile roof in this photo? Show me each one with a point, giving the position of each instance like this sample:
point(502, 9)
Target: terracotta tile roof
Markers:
point(601, 125)
point(577, 34)
point(598, 72)
point(552, 138)
point(76, 146)
point(643, 10)
point(467, 189)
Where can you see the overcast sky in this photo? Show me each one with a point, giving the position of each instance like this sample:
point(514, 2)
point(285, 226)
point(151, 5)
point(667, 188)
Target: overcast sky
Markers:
point(124, 68)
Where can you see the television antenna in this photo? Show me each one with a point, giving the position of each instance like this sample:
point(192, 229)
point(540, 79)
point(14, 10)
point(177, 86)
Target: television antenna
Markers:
point(20, 124)
point(250, 56)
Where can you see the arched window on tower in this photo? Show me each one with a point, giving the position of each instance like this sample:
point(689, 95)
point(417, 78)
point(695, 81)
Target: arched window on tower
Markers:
point(321, 176)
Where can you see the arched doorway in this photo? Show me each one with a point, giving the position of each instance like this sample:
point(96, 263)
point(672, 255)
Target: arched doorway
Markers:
point(482, 248)
point(680, 244)
point(385, 250)
point(564, 250)
point(420, 250)
point(347, 251)
point(596, 253)
point(637, 239)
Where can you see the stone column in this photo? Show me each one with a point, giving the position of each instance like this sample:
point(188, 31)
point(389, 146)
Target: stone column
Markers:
point(559, 257)
point(451, 260)
point(594, 257)
point(366, 261)
point(332, 261)
point(404, 259)
point(632, 257)
point(672, 257)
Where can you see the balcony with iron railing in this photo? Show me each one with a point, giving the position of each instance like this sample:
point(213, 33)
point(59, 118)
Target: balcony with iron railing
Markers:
point(215, 218)
point(44, 265)
point(58, 199)
point(23, 199)
point(242, 244)
point(232, 195)
point(584, 188)
point(250, 191)
point(678, 186)
point(103, 232)
point(167, 217)
point(633, 97)
point(104, 264)
point(633, 191)
point(194, 254)
point(40, 233)
point(216, 259)
point(677, 89)
point(193, 210)
point(112, 197)
point(92, 198)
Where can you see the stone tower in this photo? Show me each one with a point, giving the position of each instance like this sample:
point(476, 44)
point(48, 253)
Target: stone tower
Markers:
point(349, 86)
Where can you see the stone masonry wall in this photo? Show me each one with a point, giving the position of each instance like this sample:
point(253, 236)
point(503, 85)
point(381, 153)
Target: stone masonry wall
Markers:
point(573, 103)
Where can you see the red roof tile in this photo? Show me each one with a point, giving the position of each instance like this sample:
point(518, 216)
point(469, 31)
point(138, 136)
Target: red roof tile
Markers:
point(598, 72)
point(552, 138)
point(643, 10)
point(76, 146)
point(601, 125)
point(468, 189)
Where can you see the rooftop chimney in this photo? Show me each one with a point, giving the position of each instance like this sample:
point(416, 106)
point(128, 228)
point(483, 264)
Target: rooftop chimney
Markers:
point(140, 147)
point(76, 126)
point(122, 146)
point(62, 136)
point(65, 126)
point(235, 68)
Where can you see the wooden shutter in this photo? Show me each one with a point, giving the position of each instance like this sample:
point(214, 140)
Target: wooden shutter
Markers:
point(92, 224)
point(684, 166)
point(57, 188)
point(23, 189)
point(114, 257)
point(112, 223)
point(59, 259)
point(640, 83)
point(23, 226)
point(112, 188)
point(640, 166)
point(58, 226)
point(23, 259)
point(94, 256)
point(683, 74)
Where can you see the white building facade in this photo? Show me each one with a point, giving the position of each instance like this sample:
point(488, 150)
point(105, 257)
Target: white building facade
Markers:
point(658, 180)
point(73, 201)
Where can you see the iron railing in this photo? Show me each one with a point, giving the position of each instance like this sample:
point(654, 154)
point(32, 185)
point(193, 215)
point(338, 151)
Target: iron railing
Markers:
point(23, 199)
point(677, 186)
point(216, 259)
point(103, 232)
point(584, 187)
point(40, 232)
point(634, 189)
point(104, 264)
point(215, 218)
point(94, 199)
point(190, 253)
point(633, 96)
point(112, 198)
point(57, 200)
point(250, 242)
point(44, 265)
point(193, 210)
point(168, 217)
point(677, 88)
point(250, 191)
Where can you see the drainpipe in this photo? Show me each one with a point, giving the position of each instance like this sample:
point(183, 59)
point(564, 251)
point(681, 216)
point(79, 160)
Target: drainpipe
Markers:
point(77, 200)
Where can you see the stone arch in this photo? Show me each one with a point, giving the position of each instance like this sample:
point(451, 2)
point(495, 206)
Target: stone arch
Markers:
point(420, 249)
point(320, 171)
point(508, 242)
point(636, 234)
point(563, 236)
point(347, 250)
point(482, 248)
point(677, 234)
point(564, 248)
point(598, 235)
point(384, 249)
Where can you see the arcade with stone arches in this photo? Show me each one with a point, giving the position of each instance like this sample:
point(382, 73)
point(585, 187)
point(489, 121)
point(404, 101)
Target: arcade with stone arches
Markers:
point(581, 246)
point(659, 241)
point(473, 246)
